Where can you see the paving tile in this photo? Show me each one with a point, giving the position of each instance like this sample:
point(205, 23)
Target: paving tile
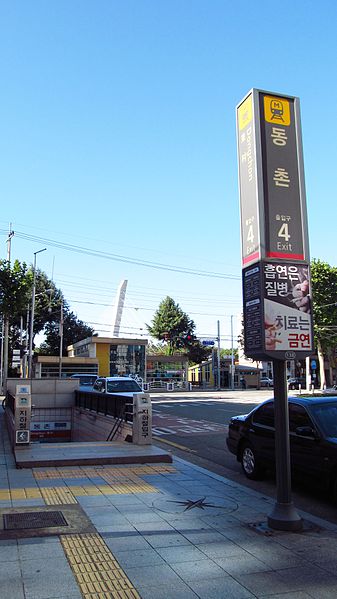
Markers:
point(271, 553)
point(8, 551)
point(127, 542)
point(203, 536)
point(154, 527)
point(177, 591)
point(11, 585)
point(264, 583)
point(166, 540)
point(145, 516)
point(241, 564)
point(47, 578)
point(294, 595)
point(187, 553)
point(220, 588)
point(138, 558)
point(222, 549)
point(309, 578)
point(93, 500)
point(159, 576)
point(197, 570)
point(32, 551)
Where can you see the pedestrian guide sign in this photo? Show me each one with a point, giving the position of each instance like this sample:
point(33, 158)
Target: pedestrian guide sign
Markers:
point(275, 249)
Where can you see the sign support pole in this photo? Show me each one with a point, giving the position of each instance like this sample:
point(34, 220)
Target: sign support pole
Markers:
point(284, 515)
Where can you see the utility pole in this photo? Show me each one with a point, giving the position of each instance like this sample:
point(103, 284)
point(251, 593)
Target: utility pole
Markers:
point(218, 377)
point(6, 320)
point(232, 354)
point(31, 332)
point(25, 355)
point(61, 339)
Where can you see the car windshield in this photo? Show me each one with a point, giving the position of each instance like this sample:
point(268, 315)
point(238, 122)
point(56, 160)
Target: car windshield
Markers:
point(86, 380)
point(122, 386)
point(326, 416)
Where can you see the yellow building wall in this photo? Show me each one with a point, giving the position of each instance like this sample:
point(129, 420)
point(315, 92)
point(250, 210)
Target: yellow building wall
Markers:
point(103, 356)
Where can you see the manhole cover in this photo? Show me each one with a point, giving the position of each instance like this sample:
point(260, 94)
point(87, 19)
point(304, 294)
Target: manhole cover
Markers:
point(33, 520)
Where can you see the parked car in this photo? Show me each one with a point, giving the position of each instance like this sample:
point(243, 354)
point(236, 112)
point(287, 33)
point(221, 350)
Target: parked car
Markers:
point(265, 381)
point(295, 382)
point(86, 380)
point(119, 385)
point(313, 440)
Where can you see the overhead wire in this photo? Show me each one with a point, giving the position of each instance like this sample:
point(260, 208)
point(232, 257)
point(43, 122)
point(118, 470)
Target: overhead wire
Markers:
point(120, 258)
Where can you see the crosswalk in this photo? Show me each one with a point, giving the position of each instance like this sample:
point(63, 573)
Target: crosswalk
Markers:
point(169, 424)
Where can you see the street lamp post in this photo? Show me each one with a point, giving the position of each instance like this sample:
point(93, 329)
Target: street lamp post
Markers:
point(30, 356)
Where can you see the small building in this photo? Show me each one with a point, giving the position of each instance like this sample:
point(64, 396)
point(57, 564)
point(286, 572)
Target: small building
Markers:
point(204, 375)
point(116, 356)
point(161, 368)
point(49, 366)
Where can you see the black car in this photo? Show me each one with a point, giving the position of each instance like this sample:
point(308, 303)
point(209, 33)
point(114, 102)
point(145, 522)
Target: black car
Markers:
point(313, 440)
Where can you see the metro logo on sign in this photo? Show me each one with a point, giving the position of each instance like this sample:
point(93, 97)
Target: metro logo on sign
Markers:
point(276, 110)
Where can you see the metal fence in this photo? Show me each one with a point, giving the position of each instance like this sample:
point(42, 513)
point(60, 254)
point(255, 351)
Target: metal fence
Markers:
point(103, 403)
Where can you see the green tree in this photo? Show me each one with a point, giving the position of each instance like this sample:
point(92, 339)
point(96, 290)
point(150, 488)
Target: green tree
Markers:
point(15, 289)
point(73, 330)
point(174, 328)
point(224, 353)
point(324, 293)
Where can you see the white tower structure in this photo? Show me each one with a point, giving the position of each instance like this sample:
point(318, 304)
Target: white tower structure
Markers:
point(118, 309)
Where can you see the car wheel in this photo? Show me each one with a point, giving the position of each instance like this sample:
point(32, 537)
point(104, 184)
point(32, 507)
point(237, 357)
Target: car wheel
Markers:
point(249, 462)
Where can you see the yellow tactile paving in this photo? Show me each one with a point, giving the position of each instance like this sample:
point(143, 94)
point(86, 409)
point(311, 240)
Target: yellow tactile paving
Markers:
point(28, 493)
point(58, 496)
point(97, 572)
point(118, 481)
point(81, 471)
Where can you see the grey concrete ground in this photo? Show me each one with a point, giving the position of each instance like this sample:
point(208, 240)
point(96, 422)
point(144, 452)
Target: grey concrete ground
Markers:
point(192, 535)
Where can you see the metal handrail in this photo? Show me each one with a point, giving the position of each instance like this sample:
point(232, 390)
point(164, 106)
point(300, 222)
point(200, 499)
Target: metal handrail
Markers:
point(9, 402)
point(103, 403)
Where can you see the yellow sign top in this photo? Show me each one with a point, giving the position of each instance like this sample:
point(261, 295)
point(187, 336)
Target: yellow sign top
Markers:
point(276, 110)
point(245, 112)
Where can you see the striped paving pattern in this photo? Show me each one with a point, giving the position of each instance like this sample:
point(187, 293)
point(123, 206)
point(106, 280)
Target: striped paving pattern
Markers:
point(97, 572)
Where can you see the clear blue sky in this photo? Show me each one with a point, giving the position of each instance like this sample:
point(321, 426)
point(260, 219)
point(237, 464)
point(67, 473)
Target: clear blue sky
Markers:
point(118, 135)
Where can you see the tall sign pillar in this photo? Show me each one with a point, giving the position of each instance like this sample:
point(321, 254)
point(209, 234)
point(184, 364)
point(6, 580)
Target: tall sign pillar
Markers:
point(275, 259)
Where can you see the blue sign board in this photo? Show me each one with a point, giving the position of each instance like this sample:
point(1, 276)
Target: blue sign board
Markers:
point(208, 342)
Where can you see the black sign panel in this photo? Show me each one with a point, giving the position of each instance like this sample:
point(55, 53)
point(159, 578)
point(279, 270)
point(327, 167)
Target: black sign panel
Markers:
point(275, 259)
point(253, 310)
point(284, 237)
point(277, 310)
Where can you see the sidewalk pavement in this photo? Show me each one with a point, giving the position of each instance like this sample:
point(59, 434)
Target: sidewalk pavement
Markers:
point(157, 531)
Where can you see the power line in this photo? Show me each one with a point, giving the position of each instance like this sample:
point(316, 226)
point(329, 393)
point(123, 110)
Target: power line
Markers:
point(125, 259)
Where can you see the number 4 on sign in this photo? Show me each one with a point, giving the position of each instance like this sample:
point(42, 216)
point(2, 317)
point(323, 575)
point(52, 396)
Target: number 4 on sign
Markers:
point(284, 232)
point(250, 235)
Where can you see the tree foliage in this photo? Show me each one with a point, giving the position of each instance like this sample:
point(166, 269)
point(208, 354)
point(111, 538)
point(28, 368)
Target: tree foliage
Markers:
point(324, 293)
point(73, 330)
point(16, 286)
point(175, 330)
point(15, 289)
